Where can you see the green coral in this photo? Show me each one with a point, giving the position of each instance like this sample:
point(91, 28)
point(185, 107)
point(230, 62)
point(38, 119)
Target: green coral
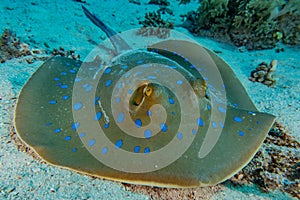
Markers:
point(256, 24)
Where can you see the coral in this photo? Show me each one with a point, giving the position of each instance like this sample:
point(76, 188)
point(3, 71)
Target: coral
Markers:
point(264, 73)
point(65, 53)
point(255, 24)
point(11, 47)
point(275, 166)
point(154, 25)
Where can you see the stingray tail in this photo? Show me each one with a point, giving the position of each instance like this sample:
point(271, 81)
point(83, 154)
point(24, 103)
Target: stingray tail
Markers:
point(116, 40)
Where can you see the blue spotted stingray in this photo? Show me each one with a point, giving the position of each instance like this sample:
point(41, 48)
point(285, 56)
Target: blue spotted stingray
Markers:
point(62, 126)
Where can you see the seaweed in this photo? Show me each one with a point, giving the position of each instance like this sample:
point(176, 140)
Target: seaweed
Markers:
point(255, 24)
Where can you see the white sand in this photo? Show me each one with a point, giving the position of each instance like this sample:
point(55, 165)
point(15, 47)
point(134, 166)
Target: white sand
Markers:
point(62, 23)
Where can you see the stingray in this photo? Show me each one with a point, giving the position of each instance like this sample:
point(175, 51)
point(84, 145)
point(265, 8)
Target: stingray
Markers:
point(184, 121)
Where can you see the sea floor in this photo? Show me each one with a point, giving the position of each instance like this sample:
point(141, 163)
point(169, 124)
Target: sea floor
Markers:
point(48, 24)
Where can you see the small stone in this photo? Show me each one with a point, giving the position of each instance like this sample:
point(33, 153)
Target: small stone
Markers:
point(261, 74)
point(260, 79)
point(255, 75)
point(273, 66)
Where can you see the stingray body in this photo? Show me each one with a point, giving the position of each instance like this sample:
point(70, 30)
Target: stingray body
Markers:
point(44, 117)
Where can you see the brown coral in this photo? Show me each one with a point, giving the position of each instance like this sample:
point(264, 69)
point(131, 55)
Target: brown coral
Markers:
point(264, 73)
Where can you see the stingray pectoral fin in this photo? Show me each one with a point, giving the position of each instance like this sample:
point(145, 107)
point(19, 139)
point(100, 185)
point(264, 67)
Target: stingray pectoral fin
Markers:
point(242, 134)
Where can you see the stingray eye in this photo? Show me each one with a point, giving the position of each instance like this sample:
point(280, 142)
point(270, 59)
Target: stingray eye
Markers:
point(148, 91)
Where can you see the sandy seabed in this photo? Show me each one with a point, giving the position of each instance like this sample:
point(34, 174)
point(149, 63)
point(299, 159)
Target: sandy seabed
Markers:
point(63, 24)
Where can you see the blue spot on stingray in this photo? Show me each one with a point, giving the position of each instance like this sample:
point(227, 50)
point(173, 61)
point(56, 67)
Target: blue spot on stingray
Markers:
point(52, 102)
point(85, 85)
point(119, 86)
point(72, 71)
point(147, 150)
point(138, 123)
point(258, 122)
point(194, 131)
point(104, 150)
point(222, 110)
point(108, 83)
point(88, 88)
point(214, 124)
point(58, 130)
point(139, 61)
point(251, 113)
point(129, 91)
point(81, 135)
point(127, 74)
point(237, 119)
point(59, 84)
point(138, 73)
point(171, 101)
point(106, 125)
point(56, 79)
point(64, 86)
point(107, 70)
point(241, 133)
point(235, 104)
point(179, 82)
point(151, 77)
point(119, 144)
point(92, 142)
point(148, 133)
point(65, 97)
point(75, 125)
point(221, 124)
point(77, 79)
point(96, 100)
point(173, 67)
point(67, 138)
point(208, 107)
point(98, 116)
point(121, 117)
point(74, 149)
point(179, 136)
point(118, 100)
point(67, 63)
point(124, 67)
point(63, 73)
point(48, 124)
point(137, 149)
point(164, 127)
point(173, 113)
point(200, 122)
point(77, 106)
point(149, 113)
point(192, 66)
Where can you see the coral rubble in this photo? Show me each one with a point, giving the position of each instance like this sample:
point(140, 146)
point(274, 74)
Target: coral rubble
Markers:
point(12, 47)
point(264, 73)
point(276, 166)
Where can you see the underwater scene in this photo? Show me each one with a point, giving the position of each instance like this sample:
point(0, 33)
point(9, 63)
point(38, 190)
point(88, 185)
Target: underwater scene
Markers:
point(150, 99)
